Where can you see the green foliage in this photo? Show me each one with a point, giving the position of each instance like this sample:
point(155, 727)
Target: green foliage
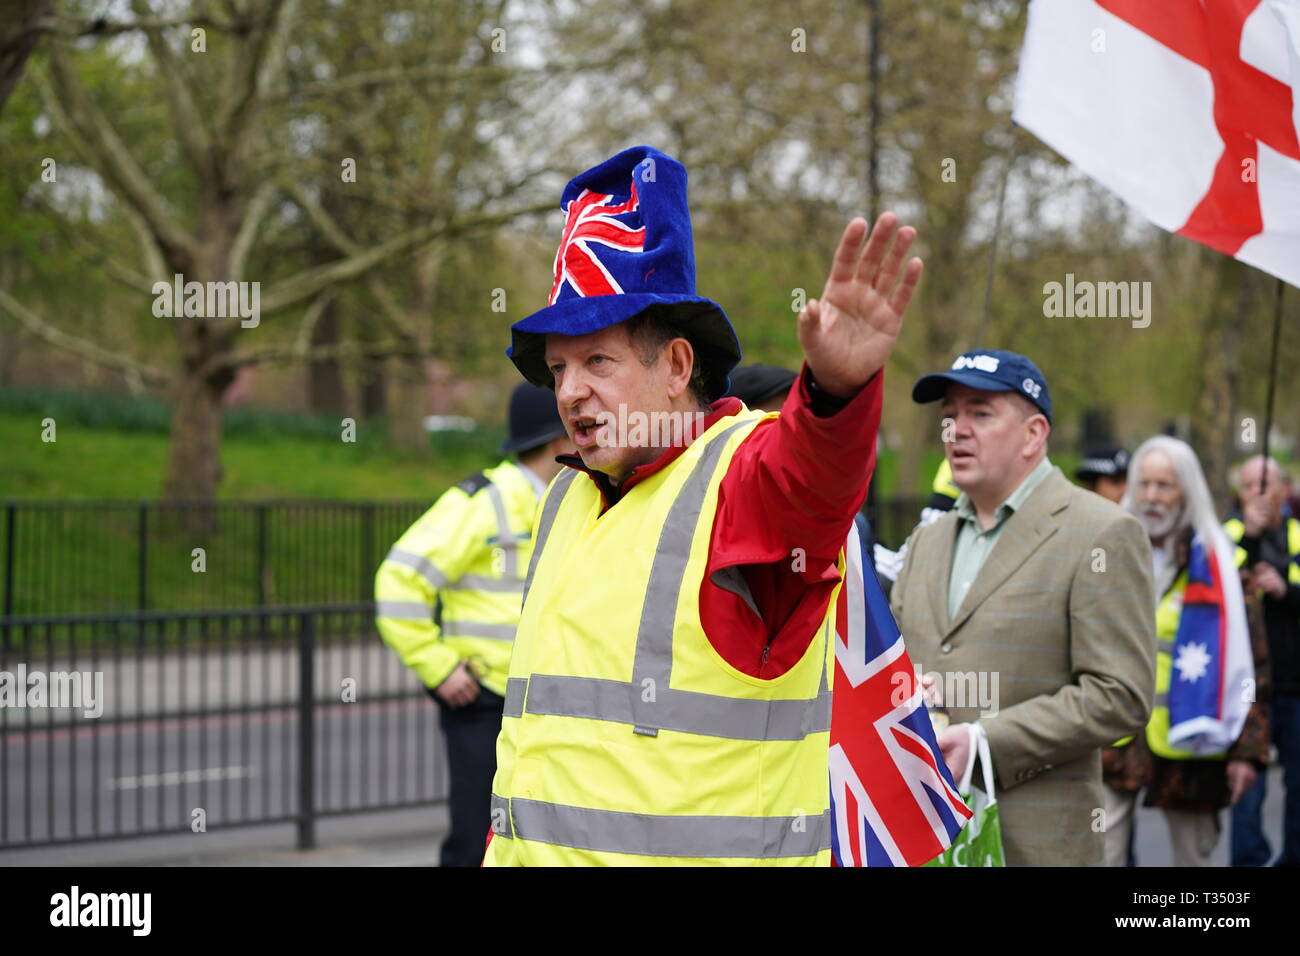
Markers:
point(120, 451)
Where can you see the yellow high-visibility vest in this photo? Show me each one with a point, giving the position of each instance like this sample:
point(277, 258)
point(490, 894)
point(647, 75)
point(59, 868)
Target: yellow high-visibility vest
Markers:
point(1167, 629)
point(1157, 731)
point(627, 739)
point(1236, 531)
point(943, 484)
point(466, 556)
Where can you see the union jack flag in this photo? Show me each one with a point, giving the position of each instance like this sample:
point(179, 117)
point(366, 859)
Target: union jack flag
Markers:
point(893, 802)
point(589, 220)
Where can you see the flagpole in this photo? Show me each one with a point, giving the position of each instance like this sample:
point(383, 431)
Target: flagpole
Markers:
point(873, 123)
point(1272, 382)
point(873, 178)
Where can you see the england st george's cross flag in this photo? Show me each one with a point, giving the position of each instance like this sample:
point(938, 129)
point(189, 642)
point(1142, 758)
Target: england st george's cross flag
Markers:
point(1188, 110)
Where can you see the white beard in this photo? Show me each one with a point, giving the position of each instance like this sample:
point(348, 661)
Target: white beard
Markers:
point(1161, 525)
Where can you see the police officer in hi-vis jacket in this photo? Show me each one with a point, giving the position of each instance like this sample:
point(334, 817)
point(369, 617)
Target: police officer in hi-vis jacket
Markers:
point(448, 596)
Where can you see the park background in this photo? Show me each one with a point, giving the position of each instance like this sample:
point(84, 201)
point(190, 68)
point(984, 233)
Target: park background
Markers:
point(464, 119)
point(389, 172)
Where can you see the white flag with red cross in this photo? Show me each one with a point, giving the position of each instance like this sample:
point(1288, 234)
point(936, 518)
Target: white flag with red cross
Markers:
point(1189, 110)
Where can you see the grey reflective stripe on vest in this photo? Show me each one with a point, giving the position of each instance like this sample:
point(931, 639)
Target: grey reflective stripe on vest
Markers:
point(737, 718)
point(549, 511)
point(647, 703)
point(466, 582)
point(460, 628)
point(1164, 645)
point(646, 834)
point(516, 687)
point(409, 610)
point(481, 582)
point(500, 811)
point(421, 564)
point(653, 664)
point(1161, 700)
point(505, 538)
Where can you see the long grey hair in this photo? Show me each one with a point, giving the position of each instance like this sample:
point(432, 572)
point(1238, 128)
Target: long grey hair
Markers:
point(1198, 506)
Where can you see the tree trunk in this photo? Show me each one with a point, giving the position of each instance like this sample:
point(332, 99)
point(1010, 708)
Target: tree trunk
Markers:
point(325, 391)
point(408, 395)
point(374, 402)
point(194, 458)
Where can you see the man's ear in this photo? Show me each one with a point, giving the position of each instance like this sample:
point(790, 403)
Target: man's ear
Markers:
point(1039, 429)
point(681, 360)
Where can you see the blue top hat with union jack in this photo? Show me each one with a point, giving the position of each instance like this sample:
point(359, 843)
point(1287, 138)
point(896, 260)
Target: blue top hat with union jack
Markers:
point(627, 249)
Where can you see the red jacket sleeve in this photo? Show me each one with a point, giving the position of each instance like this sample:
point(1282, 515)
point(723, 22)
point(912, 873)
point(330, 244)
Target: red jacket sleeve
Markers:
point(784, 510)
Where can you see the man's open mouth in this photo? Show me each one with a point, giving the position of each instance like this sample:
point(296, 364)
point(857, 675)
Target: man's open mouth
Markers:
point(584, 430)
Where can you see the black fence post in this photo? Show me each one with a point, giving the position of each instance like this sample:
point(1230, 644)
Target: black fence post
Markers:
point(367, 552)
point(11, 517)
point(142, 558)
point(306, 733)
point(261, 554)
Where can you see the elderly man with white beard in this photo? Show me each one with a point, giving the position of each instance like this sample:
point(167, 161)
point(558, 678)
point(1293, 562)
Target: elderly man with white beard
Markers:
point(1207, 738)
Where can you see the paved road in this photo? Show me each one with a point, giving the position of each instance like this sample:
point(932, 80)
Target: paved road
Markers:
point(155, 774)
point(151, 760)
point(193, 681)
point(1152, 847)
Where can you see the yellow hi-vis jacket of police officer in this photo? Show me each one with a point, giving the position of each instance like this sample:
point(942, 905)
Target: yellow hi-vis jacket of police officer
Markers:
point(627, 739)
point(466, 555)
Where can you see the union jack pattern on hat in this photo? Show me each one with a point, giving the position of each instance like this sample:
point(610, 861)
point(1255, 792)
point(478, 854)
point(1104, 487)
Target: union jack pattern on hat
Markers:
point(626, 249)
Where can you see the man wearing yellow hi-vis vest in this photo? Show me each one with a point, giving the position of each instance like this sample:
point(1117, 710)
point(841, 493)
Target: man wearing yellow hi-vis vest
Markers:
point(668, 700)
point(1268, 552)
point(447, 600)
point(1207, 737)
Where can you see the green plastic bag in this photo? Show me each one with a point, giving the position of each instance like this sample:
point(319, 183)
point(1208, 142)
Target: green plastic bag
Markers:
point(980, 841)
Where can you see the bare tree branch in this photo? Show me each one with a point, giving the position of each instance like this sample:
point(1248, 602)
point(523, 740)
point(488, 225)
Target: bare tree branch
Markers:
point(331, 230)
point(321, 219)
point(259, 63)
point(154, 262)
point(247, 235)
point(79, 346)
point(112, 159)
point(93, 253)
point(188, 121)
point(314, 311)
point(346, 351)
point(73, 28)
point(308, 282)
point(434, 71)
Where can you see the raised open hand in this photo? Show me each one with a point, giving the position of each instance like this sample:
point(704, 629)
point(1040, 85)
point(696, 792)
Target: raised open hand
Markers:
point(848, 334)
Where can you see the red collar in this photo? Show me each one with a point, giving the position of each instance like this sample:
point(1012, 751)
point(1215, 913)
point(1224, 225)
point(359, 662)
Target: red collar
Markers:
point(611, 495)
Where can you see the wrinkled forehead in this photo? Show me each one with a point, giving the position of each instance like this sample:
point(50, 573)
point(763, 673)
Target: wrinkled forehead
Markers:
point(1252, 471)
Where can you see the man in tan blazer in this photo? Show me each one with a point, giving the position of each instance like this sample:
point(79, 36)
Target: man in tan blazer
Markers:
point(1036, 588)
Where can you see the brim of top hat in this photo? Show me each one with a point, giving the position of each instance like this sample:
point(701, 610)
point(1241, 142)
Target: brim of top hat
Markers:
point(715, 342)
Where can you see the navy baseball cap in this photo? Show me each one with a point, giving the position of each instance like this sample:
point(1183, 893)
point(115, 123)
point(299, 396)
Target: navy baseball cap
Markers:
point(990, 370)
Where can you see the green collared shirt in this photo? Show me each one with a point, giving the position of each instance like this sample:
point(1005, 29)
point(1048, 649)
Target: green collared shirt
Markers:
point(973, 545)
